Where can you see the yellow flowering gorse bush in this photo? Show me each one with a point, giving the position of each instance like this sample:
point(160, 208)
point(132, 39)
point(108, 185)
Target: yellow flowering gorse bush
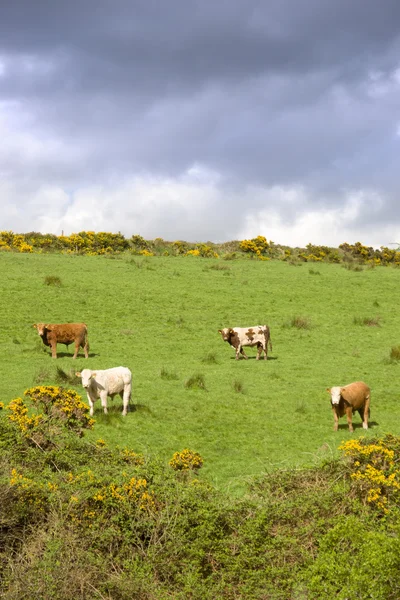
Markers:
point(187, 460)
point(375, 468)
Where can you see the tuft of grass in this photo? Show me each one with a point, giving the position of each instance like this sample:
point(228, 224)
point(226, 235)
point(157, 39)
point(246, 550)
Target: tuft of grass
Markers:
point(314, 272)
point(395, 353)
point(368, 321)
point(168, 375)
point(127, 332)
point(351, 266)
point(178, 322)
point(65, 377)
point(41, 376)
point(196, 382)
point(376, 303)
point(230, 256)
point(299, 322)
point(210, 358)
point(238, 386)
point(301, 408)
point(217, 267)
point(52, 280)
point(16, 341)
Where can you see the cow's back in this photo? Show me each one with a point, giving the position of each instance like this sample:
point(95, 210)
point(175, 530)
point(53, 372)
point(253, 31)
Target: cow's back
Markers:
point(66, 333)
point(356, 393)
point(114, 379)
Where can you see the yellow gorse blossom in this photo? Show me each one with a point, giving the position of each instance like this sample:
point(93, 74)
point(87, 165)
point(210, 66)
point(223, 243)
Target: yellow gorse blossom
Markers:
point(374, 469)
point(187, 460)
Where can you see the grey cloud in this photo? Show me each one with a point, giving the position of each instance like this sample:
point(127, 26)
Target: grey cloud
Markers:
point(265, 94)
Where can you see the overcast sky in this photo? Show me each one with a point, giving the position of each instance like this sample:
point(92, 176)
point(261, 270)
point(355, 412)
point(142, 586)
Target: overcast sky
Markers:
point(202, 119)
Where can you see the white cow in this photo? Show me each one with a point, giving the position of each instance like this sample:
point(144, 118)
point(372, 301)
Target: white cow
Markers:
point(107, 382)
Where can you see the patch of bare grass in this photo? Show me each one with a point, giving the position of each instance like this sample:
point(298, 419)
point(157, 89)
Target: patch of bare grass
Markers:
point(168, 375)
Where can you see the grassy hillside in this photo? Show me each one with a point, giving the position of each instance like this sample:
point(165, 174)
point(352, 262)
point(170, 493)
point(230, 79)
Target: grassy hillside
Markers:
point(160, 316)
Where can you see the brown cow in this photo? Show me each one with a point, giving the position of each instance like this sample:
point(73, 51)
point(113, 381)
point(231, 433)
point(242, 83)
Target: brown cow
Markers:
point(65, 333)
point(348, 399)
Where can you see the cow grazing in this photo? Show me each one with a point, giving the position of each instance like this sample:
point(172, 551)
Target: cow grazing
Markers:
point(107, 382)
point(238, 337)
point(348, 399)
point(65, 333)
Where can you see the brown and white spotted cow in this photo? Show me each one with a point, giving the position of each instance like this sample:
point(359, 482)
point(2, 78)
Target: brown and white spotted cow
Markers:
point(64, 333)
point(237, 337)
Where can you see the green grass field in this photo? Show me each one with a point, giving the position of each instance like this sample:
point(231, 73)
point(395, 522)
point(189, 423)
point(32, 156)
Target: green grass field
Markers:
point(160, 316)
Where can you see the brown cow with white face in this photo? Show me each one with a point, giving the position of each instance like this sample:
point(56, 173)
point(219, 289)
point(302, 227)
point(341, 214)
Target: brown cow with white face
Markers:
point(347, 399)
point(65, 333)
point(237, 337)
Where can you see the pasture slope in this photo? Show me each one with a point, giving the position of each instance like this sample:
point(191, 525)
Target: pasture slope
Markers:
point(159, 316)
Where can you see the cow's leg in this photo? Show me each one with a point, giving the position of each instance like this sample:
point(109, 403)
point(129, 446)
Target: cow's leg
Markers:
point(91, 404)
point(77, 344)
point(126, 397)
point(242, 352)
point(336, 419)
point(349, 416)
point(53, 349)
point(366, 413)
point(103, 398)
point(259, 351)
point(86, 350)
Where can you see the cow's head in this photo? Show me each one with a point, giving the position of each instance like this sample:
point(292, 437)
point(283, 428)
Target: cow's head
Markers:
point(86, 375)
point(41, 328)
point(335, 393)
point(226, 333)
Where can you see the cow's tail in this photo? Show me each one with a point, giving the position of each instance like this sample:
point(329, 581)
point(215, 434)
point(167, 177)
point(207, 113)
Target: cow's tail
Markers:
point(86, 338)
point(267, 334)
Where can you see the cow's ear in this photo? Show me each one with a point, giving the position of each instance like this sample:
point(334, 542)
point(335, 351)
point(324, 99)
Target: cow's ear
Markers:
point(93, 374)
point(35, 326)
point(219, 330)
point(78, 374)
point(328, 390)
point(231, 330)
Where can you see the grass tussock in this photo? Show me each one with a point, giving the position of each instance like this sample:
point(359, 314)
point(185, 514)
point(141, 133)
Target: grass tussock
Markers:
point(42, 376)
point(210, 359)
point(66, 377)
point(52, 280)
point(395, 354)
point(352, 266)
point(168, 375)
point(217, 267)
point(367, 321)
point(196, 382)
point(238, 386)
point(314, 272)
point(299, 322)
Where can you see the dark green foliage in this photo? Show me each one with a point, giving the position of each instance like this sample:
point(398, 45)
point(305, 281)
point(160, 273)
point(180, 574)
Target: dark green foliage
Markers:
point(84, 520)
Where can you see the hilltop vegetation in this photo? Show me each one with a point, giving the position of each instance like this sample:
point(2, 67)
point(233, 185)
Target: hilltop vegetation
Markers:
point(92, 244)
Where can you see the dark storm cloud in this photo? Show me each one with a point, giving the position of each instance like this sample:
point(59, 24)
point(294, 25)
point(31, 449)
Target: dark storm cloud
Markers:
point(278, 93)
